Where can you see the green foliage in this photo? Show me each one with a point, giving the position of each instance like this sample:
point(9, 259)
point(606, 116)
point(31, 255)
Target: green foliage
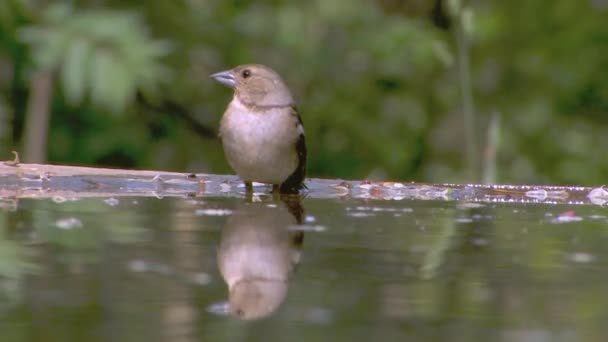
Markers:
point(107, 54)
point(11, 13)
point(376, 82)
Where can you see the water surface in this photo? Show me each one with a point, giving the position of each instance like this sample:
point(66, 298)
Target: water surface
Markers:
point(159, 269)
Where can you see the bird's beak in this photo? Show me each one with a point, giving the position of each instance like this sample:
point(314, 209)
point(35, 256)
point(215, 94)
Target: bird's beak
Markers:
point(225, 78)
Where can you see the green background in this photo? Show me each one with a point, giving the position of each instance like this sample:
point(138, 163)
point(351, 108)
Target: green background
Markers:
point(442, 91)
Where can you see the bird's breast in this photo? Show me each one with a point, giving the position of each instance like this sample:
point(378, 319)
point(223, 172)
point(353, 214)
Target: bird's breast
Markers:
point(259, 145)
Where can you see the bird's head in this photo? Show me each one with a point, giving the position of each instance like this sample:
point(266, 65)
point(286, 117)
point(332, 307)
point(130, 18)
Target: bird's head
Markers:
point(256, 85)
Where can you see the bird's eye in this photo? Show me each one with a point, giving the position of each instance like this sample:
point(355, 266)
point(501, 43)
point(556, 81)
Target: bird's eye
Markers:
point(246, 73)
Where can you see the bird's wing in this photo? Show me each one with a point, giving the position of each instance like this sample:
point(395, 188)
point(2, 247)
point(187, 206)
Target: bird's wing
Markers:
point(295, 181)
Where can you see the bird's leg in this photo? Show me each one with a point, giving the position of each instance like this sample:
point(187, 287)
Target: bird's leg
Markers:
point(248, 187)
point(276, 188)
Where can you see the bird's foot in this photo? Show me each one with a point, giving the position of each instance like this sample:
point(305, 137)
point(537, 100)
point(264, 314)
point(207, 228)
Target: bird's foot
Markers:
point(248, 187)
point(276, 189)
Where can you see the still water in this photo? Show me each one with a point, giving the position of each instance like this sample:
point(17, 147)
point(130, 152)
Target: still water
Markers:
point(263, 268)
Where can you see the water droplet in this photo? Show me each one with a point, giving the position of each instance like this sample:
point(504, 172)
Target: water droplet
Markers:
point(112, 202)
point(138, 266)
point(68, 223)
point(582, 257)
point(212, 212)
point(201, 278)
point(220, 308)
point(59, 199)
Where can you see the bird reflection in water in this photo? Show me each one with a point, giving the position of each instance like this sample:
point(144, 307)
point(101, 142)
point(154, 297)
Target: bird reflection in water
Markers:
point(259, 249)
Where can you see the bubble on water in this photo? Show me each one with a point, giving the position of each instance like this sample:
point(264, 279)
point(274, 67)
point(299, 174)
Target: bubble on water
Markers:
point(366, 186)
point(598, 196)
point(138, 266)
point(219, 308)
point(382, 209)
point(112, 202)
point(464, 220)
point(309, 219)
point(59, 199)
point(201, 278)
point(212, 212)
point(581, 257)
point(308, 228)
point(470, 205)
point(566, 219)
point(540, 195)
point(480, 242)
point(360, 214)
point(68, 223)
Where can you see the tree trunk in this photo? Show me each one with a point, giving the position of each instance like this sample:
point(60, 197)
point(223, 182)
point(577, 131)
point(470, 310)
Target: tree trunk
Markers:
point(37, 119)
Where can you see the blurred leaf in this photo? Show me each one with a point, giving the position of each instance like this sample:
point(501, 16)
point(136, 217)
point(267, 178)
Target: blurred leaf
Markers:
point(58, 13)
point(48, 45)
point(347, 61)
point(74, 71)
point(122, 88)
point(105, 54)
point(101, 84)
point(468, 24)
point(10, 13)
point(454, 7)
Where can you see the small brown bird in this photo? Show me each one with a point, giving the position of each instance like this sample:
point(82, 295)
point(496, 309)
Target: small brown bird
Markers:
point(261, 130)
